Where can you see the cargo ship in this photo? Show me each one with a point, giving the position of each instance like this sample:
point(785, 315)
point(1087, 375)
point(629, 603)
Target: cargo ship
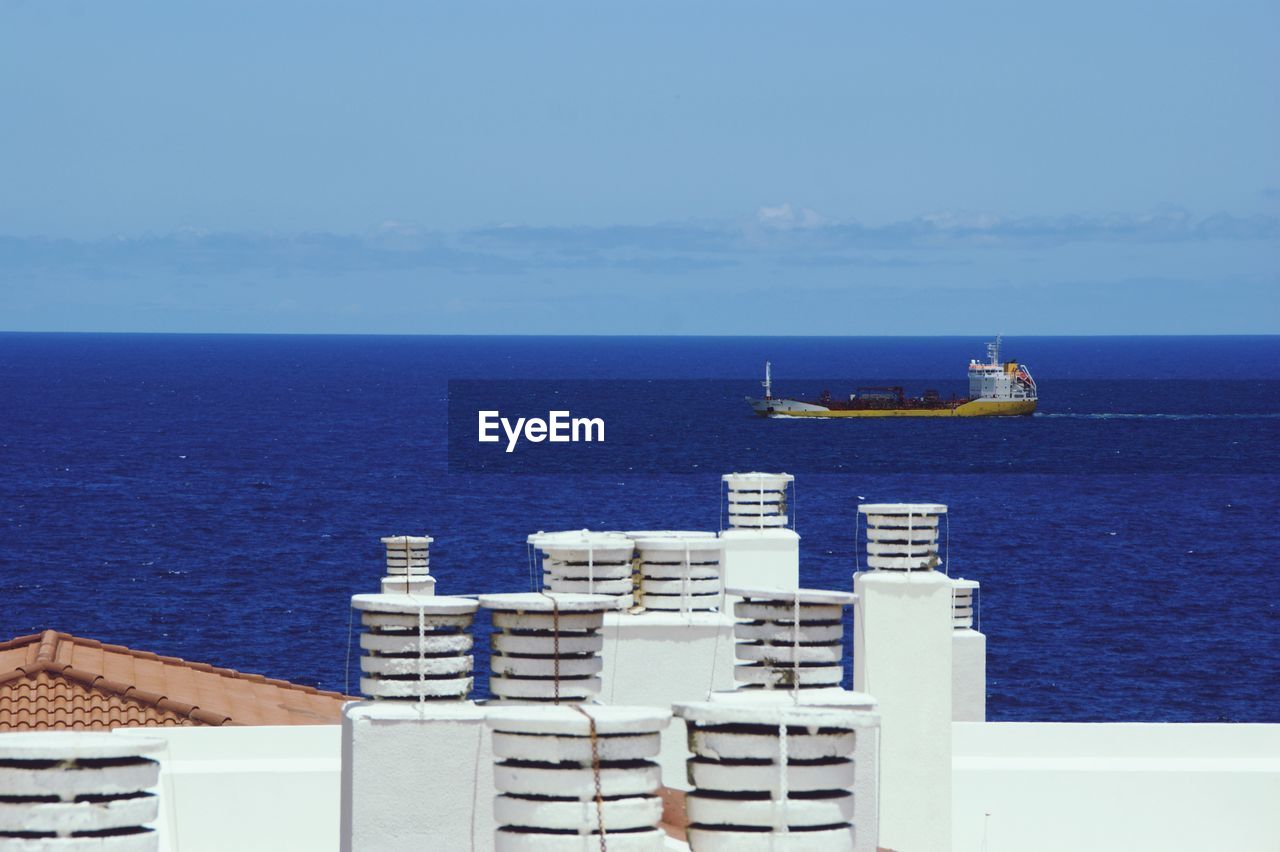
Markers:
point(996, 389)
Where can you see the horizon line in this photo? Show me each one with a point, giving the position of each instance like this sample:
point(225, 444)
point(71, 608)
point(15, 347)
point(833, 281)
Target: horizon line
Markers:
point(608, 336)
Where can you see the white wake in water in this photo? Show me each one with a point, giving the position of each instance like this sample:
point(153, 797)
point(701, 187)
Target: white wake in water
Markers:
point(1118, 415)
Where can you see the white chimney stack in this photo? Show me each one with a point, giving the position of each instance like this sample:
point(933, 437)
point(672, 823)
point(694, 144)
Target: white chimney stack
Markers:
point(586, 562)
point(772, 776)
point(677, 645)
point(416, 667)
point(769, 638)
point(546, 646)
point(408, 565)
point(969, 655)
point(680, 574)
point(78, 791)
point(415, 647)
point(577, 778)
point(761, 546)
point(903, 656)
point(789, 639)
point(758, 500)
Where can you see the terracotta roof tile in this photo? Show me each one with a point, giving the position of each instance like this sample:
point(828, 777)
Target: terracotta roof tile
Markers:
point(87, 657)
point(176, 707)
point(179, 680)
point(117, 666)
point(207, 693)
point(62, 653)
point(48, 646)
point(55, 680)
point(149, 675)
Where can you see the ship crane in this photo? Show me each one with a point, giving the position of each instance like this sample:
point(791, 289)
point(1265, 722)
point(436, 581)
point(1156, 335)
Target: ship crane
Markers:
point(768, 381)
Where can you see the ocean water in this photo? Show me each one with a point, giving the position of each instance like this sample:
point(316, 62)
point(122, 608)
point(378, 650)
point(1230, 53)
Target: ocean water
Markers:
point(219, 498)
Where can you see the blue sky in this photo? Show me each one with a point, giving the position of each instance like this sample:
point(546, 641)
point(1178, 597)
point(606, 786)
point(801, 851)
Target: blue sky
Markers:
point(725, 167)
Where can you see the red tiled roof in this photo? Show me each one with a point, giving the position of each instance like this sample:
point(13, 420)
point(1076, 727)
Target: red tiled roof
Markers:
point(56, 680)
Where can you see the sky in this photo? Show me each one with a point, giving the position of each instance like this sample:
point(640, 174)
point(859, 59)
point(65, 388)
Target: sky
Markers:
point(576, 168)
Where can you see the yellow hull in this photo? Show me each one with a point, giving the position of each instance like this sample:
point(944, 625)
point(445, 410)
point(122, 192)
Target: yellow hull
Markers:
point(977, 408)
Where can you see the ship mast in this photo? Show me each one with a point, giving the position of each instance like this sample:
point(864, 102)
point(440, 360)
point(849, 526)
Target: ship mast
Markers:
point(768, 382)
point(993, 352)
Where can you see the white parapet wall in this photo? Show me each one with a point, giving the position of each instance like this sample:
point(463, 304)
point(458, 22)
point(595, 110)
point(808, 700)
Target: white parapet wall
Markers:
point(1116, 787)
point(251, 789)
point(1051, 787)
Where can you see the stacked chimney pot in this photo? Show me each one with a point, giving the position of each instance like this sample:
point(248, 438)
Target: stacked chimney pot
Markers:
point(757, 500)
point(586, 562)
point(771, 777)
point(680, 573)
point(547, 768)
point(408, 565)
point(415, 646)
point(529, 629)
point(73, 791)
point(789, 639)
point(962, 602)
point(902, 536)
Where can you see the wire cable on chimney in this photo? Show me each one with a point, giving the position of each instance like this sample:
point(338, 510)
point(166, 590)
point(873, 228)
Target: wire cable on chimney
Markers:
point(422, 660)
point(780, 819)
point(946, 560)
point(793, 505)
point(684, 582)
point(595, 771)
point(408, 568)
point(724, 496)
point(795, 649)
point(555, 642)
point(346, 674)
point(617, 668)
point(858, 618)
point(529, 550)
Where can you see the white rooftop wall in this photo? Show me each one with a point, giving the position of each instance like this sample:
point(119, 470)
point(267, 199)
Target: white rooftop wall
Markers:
point(1101, 787)
point(251, 789)
point(1047, 787)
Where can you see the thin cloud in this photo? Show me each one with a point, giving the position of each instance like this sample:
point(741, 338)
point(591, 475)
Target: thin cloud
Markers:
point(787, 235)
point(785, 217)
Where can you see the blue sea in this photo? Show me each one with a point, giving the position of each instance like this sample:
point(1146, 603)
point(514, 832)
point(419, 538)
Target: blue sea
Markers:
point(219, 498)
